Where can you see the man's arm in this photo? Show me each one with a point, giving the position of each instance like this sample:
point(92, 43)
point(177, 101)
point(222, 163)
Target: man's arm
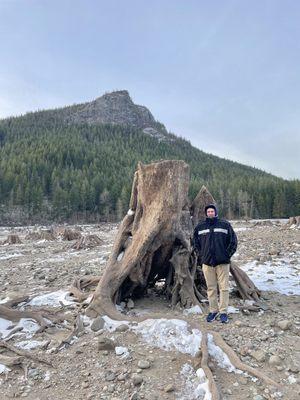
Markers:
point(232, 241)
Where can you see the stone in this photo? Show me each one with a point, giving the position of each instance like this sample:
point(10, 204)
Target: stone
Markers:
point(259, 355)
point(169, 388)
point(134, 396)
point(284, 324)
point(143, 364)
point(110, 376)
point(105, 344)
point(122, 328)
point(97, 324)
point(258, 397)
point(274, 360)
point(243, 380)
point(294, 368)
point(130, 304)
point(136, 379)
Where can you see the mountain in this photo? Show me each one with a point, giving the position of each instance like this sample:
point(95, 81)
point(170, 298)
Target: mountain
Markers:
point(77, 163)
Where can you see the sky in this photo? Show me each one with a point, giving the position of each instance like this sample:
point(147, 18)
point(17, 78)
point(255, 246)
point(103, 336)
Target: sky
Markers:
point(224, 74)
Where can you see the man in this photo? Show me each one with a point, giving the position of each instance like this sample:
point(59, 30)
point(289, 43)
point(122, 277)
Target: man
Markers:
point(215, 242)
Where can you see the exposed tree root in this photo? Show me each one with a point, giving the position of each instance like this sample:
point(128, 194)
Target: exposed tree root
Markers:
point(245, 286)
point(234, 359)
point(11, 361)
point(204, 365)
point(24, 353)
point(78, 328)
point(15, 315)
point(79, 284)
point(41, 316)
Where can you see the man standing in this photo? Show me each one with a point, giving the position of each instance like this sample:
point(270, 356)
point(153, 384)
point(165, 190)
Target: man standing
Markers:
point(215, 242)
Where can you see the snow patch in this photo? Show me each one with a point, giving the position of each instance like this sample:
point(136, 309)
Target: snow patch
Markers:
point(192, 310)
point(291, 379)
point(29, 327)
point(4, 368)
point(280, 276)
point(169, 334)
point(53, 299)
point(232, 310)
point(9, 256)
point(111, 324)
point(221, 358)
point(196, 384)
point(29, 344)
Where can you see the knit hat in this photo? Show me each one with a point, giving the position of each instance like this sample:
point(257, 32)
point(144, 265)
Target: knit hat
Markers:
point(211, 206)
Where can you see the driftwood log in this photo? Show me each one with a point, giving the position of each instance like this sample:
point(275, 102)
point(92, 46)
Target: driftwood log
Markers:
point(154, 243)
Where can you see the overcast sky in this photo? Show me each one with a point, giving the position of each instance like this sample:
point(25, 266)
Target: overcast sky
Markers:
point(224, 74)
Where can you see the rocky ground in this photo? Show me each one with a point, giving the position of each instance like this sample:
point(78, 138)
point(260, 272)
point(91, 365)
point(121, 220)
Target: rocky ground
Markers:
point(129, 363)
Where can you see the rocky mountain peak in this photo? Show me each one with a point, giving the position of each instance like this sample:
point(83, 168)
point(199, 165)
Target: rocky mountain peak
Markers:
point(115, 108)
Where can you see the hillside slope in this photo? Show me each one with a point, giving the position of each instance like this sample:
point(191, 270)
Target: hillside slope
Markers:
point(78, 162)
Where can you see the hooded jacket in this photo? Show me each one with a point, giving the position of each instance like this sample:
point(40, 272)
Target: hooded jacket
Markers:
point(215, 241)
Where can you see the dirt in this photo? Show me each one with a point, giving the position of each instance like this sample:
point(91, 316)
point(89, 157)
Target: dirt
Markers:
point(81, 371)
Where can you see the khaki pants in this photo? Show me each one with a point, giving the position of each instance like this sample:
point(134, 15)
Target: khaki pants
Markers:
point(215, 276)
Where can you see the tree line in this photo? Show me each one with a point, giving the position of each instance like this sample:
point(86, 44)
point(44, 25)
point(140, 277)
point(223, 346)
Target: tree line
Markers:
point(55, 172)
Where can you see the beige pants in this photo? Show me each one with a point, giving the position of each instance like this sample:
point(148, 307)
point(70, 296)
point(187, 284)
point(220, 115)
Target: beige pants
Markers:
point(215, 276)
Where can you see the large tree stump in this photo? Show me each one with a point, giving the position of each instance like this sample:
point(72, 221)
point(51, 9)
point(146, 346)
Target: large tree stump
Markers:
point(12, 238)
point(154, 242)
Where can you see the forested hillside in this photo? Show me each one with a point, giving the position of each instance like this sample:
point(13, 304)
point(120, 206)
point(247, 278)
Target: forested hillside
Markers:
point(53, 170)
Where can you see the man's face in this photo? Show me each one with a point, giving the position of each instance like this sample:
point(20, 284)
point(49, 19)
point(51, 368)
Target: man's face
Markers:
point(210, 212)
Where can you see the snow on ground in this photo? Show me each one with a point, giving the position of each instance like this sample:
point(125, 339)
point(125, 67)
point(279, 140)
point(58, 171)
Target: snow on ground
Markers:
point(53, 299)
point(28, 326)
point(170, 334)
point(221, 358)
point(281, 275)
point(5, 256)
point(30, 344)
point(192, 310)
point(196, 385)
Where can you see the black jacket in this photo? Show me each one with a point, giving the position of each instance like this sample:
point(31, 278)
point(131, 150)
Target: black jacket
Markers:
point(215, 241)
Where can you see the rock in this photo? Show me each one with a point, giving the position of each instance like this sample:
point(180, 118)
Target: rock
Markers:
point(258, 397)
point(169, 388)
point(119, 350)
point(284, 324)
point(110, 376)
point(136, 379)
point(243, 380)
point(274, 360)
point(143, 364)
point(130, 304)
point(105, 344)
point(97, 324)
point(85, 385)
point(259, 355)
point(134, 396)
point(294, 368)
point(122, 328)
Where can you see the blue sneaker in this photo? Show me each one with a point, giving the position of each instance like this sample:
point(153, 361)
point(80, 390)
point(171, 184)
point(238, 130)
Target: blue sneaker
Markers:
point(211, 316)
point(224, 318)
